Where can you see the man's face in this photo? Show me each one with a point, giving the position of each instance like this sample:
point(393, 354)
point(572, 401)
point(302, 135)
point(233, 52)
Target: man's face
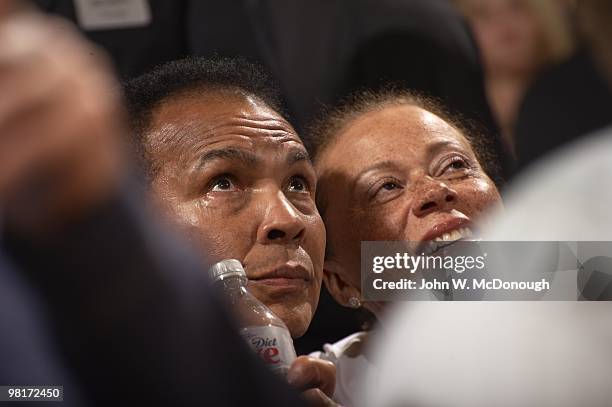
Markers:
point(235, 173)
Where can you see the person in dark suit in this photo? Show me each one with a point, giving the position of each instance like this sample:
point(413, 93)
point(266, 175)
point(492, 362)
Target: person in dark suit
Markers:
point(134, 46)
point(95, 295)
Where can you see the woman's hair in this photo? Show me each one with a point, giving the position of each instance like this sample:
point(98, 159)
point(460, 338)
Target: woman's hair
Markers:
point(556, 28)
point(324, 131)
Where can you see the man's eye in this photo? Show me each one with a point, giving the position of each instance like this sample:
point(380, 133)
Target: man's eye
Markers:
point(298, 184)
point(222, 183)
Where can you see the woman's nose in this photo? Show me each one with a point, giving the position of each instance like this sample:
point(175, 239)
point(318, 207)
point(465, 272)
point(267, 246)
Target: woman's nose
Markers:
point(433, 196)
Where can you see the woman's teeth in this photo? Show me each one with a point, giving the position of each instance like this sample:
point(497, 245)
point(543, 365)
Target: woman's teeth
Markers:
point(454, 235)
point(447, 239)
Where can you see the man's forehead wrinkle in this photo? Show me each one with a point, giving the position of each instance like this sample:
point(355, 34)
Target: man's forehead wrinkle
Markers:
point(225, 123)
point(266, 128)
point(262, 121)
point(231, 153)
point(187, 133)
point(184, 138)
point(168, 135)
point(249, 155)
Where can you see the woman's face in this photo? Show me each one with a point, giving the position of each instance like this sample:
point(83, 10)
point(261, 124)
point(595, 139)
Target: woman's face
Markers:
point(398, 173)
point(508, 35)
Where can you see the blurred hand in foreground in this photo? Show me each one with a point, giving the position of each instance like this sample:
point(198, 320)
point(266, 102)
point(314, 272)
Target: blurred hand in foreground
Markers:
point(60, 122)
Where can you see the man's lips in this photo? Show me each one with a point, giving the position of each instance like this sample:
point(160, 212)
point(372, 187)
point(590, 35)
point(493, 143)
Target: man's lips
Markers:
point(288, 274)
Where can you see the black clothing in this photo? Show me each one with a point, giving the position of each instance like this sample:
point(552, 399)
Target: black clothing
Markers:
point(566, 102)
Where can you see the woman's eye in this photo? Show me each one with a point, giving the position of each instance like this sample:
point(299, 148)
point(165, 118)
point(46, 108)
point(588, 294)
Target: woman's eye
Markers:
point(222, 184)
point(389, 186)
point(380, 192)
point(456, 164)
point(298, 184)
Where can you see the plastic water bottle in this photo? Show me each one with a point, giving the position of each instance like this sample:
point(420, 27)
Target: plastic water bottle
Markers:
point(265, 333)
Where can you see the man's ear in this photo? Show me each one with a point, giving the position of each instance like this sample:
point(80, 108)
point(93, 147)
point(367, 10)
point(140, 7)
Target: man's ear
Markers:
point(337, 284)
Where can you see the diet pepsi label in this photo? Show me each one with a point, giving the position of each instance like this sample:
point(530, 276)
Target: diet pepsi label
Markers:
point(273, 345)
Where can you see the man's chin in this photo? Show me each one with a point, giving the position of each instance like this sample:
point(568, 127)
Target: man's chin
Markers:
point(297, 318)
point(292, 306)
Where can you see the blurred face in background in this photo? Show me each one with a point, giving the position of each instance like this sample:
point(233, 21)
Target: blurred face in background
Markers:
point(235, 174)
point(396, 173)
point(508, 33)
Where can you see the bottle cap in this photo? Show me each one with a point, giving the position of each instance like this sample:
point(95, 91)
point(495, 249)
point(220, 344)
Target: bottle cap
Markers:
point(226, 268)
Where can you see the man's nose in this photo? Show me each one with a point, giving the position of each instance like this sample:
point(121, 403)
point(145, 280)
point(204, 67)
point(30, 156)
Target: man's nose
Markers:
point(282, 222)
point(431, 196)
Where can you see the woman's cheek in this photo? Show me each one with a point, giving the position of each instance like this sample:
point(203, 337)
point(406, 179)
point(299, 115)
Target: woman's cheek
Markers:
point(382, 224)
point(480, 195)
